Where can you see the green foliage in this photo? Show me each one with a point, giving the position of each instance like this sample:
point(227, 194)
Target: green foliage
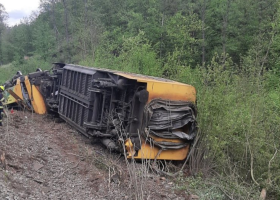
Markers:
point(27, 66)
point(184, 46)
point(43, 39)
point(32, 64)
point(198, 186)
point(229, 50)
point(5, 72)
point(239, 120)
point(216, 188)
point(136, 56)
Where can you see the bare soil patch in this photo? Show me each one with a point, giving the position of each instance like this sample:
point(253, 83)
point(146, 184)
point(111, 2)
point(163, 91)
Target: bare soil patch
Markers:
point(42, 159)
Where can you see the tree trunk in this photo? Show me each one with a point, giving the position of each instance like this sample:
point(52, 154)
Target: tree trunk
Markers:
point(86, 26)
point(54, 22)
point(224, 29)
point(66, 29)
point(203, 12)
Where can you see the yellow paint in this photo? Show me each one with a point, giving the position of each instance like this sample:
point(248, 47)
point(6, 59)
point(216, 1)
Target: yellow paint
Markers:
point(167, 90)
point(9, 98)
point(171, 91)
point(17, 89)
point(164, 89)
point(149, 152)
point(145, 79)
point(157, 88)
point(36, 98)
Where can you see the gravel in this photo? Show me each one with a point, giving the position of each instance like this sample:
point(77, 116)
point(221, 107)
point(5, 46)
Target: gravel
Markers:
point(41, 159)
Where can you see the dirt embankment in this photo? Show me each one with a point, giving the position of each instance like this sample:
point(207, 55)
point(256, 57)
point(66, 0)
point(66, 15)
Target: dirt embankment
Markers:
point(41, 159)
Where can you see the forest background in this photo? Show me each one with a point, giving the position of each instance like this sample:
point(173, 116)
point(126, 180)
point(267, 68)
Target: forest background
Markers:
point(228, 49)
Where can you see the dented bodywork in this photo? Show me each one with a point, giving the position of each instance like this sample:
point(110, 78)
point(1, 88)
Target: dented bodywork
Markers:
point(153, 118)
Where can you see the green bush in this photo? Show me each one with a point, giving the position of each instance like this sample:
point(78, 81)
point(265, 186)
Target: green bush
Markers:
point(239, 120)
point(6, 71)
point(238, 114)
point(25, 66)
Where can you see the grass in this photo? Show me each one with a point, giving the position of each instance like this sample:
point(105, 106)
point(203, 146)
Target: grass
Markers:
point(239, 124)
point(5, 66)
point(6, 72)
point(26, 66)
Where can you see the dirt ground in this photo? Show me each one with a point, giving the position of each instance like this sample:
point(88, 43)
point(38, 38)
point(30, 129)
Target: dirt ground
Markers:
point(42, 159)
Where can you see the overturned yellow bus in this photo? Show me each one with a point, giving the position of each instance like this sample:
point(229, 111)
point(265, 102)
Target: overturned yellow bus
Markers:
point(149, 117)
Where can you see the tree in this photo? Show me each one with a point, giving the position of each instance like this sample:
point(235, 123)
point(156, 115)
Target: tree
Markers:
point(3, 17)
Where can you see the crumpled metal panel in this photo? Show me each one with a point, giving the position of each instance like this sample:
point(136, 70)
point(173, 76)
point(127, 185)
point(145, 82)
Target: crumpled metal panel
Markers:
point(170, 120)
